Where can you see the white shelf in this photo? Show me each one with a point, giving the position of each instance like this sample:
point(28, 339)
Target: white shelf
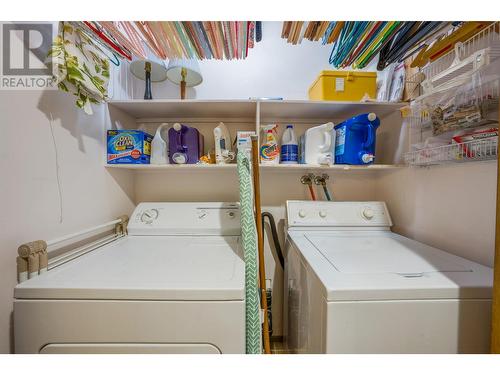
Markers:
point(263, 168)
point(186, 109)
point(275, 110)
point(270, 110)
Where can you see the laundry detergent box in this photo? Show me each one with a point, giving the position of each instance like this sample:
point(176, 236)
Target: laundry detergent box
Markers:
point(129, 147)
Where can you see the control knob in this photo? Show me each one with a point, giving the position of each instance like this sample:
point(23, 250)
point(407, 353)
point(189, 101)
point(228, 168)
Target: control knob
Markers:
point(149, 216)
point(368, 213)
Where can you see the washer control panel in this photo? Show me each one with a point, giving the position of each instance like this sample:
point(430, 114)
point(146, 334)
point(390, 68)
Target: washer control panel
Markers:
point(203, 218)
point(337, 214)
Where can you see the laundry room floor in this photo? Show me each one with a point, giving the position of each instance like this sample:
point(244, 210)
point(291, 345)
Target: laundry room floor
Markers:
point(277, 347)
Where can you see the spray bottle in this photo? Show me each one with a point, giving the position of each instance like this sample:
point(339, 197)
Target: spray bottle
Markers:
point(270, 149)
point(159, 146)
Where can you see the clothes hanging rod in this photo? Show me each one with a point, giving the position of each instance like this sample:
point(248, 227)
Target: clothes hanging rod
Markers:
point(83, 232)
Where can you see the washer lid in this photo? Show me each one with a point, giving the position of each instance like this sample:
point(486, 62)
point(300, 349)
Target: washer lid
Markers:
point(361, 254)
point(364, 265)
point(148, 268)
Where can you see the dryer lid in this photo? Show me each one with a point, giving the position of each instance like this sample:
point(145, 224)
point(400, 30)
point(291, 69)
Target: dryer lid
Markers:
point(164, 268)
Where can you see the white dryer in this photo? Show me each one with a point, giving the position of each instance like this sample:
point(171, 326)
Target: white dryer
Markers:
point(353, 286)
point(174, 284)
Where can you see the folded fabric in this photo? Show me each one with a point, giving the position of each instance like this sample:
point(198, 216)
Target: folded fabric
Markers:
point(79, 67)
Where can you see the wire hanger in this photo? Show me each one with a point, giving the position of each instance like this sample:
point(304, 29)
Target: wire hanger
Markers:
point(103, 48)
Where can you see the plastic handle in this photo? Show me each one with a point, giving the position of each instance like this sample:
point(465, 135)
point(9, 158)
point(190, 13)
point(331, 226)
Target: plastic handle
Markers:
point(327, 144)
point(180, 144)
point(369, 138)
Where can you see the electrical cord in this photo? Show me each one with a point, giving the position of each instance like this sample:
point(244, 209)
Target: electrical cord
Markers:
point(274, 234)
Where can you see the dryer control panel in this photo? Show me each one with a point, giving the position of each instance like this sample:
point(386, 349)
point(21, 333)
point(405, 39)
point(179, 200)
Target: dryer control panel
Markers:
point(185, 218)
point(337, 214)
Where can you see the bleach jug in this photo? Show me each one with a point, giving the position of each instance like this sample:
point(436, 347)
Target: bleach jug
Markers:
point(319, 142)
point(159, 146)
point(289, 147)
point(355, 142)
point(185, 144)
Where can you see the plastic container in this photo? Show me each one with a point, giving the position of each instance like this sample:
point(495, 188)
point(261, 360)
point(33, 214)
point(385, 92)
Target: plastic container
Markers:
point(341, 85)
point(355, 140)
point(270, 150)
point(319, 143)
point(159, 146)
point(289, 147)
point(185, 144)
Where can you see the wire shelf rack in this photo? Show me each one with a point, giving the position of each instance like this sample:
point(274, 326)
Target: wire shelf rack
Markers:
point(488, 38)
point(471, 104)
point(476, 150)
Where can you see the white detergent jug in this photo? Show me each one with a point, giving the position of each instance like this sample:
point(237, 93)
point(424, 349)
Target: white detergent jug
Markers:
point(319, 143)
point(159, 145)
point(223, 153)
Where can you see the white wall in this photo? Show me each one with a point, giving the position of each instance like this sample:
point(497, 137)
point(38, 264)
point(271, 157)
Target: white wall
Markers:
point(450, 206)
point(29, 194)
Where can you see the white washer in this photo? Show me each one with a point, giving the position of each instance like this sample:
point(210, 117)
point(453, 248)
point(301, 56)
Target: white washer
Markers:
point(353, 286)
point(175, 284)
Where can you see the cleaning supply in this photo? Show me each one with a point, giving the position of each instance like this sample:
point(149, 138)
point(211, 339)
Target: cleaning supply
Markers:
point(355, 141)
point(223, 152)
point(319, 142)
point(269, 149)
point(289, 147)
point(159, 146)
point(128, 147)
point(244, 142)
point(185, 144)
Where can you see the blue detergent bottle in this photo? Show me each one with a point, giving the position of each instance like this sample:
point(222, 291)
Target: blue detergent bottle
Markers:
point(355, 140)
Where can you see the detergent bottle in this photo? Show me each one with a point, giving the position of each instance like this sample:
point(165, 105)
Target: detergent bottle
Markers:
point(319, 142)
point(289, 147)
point(355, 142)
point(223, 153)
point(269, 149)
point(159, 146)
point(185, 144)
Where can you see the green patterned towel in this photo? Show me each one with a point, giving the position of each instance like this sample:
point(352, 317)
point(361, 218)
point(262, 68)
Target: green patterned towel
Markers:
point(249, 239)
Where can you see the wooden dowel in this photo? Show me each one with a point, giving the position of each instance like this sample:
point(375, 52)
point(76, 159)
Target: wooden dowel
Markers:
point(495, 314)
point(260, 241)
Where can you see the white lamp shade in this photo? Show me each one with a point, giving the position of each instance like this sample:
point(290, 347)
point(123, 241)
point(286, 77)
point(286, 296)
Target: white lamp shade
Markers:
point(193, 76)
point(158, 68)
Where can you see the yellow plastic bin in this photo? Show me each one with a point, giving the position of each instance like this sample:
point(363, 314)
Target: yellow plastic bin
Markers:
point(343, 85)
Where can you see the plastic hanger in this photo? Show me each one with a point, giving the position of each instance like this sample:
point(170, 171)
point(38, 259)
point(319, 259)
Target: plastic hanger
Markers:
point(389, 30)
point(135, 48)
point(107, 40)
point(105, 50)
point(149, 39)
point(371, 33)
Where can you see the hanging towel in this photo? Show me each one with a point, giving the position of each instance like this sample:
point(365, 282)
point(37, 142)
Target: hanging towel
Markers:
point(79, 67)
point(249, 239)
